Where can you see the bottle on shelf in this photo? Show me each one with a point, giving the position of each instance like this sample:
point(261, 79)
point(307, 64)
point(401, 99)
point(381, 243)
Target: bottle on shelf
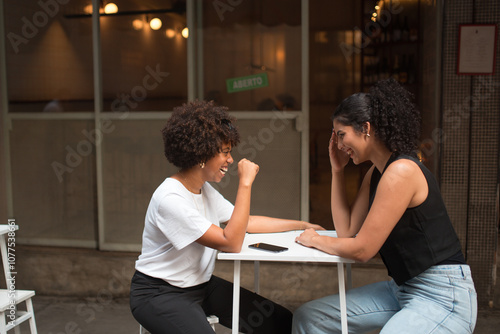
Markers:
point(412, 71)
point(405, 30)
point(376, 73)
point(387, 31)
point(383, 34)
point(376, 34)
point(413, 34)
point(396, 30)
point(367, 74)
point(384, 69)
point(372, 70)
point(403, 71)
point(395, 68)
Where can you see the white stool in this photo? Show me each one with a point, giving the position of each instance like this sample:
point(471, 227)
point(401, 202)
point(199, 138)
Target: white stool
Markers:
point(15, 317)
point(10, 317)
point(212, 320)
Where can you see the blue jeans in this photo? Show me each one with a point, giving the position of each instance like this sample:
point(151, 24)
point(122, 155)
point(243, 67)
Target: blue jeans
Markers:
point(440, 300)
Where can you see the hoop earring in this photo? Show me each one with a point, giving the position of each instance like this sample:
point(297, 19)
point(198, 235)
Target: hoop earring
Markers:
point(202, 165)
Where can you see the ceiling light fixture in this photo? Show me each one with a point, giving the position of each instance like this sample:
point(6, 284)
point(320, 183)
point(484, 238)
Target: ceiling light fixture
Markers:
point(155, 23)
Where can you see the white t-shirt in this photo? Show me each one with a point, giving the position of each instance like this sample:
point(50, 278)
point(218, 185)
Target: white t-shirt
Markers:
point(175, 219)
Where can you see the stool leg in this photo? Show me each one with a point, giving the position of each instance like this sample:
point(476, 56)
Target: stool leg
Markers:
point(29, 308)
point(212, 320)
point(3, 325)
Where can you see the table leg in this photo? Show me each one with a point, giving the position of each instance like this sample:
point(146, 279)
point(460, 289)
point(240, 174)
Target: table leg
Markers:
point(349, 275)
point(3, 325)
point(343, 307)
point(256, 279)
point(236, 296)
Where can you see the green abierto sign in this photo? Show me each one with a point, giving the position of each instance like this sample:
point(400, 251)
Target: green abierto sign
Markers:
point(246, 83)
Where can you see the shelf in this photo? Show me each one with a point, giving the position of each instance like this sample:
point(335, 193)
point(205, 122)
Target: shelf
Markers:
point(392, 44)
point(399, 56)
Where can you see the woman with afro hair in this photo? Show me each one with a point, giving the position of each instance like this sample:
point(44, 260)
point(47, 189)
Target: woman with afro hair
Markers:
point(173, 289)
point(399, 213)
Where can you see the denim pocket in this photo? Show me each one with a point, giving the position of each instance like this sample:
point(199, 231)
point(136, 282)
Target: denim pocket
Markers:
point(451, 290)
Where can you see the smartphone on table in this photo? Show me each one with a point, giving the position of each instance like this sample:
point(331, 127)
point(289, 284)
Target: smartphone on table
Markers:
point(268, 247)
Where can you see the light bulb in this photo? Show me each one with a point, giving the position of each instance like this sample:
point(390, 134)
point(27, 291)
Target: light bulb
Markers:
point(111, 8)
point(170, 33)
point(185, 32)
point(138, 24)
point(155, 23)
point(88, 9)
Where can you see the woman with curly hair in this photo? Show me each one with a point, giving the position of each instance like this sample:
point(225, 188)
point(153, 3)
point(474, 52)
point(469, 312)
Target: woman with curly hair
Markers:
point(173, 289)
point(399, 213)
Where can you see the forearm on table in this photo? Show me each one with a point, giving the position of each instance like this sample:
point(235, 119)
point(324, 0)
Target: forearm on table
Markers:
point(262, 224)
point(349, 248)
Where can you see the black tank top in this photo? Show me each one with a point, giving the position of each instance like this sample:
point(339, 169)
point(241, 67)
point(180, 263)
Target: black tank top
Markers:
point(423, 237)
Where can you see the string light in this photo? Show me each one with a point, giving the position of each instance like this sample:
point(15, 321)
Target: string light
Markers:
point(170, 33)
point(138, 24)
point(377, 10)
point(155, 23)
point(110, 8)
point(88, 9)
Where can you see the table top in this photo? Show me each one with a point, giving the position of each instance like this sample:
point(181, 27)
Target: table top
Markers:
point(295, 252)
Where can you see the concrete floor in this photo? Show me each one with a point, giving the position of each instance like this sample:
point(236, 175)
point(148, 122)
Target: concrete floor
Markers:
point(105, 312)
point(64, 315)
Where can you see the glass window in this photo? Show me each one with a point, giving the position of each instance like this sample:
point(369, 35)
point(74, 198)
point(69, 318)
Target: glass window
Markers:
point(86, 199)
point(134, 165)
point(144, 57)
point(252, 54)
point(49, 57)
point(274, 144)
point(54, 183)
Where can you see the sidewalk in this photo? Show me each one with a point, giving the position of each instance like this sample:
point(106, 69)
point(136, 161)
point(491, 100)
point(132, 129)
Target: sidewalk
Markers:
point(105, 316)
point(78, 316)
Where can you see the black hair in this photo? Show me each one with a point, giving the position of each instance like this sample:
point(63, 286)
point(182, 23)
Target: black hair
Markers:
point(196, 132)
point(390, 110)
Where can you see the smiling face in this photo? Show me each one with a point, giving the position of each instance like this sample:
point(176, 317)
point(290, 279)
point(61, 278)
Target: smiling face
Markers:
point(351, 142)
point(217, 167)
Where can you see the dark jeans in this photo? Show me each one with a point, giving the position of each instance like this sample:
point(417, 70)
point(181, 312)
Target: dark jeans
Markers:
point(162, 308)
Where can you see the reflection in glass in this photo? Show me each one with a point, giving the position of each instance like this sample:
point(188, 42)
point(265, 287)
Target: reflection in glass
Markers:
point(250, 38)
point(144, 57)
point(49, 57)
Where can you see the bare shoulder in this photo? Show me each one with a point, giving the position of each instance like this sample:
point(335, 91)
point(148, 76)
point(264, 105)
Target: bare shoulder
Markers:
point(404, 176)
point(403, 169)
